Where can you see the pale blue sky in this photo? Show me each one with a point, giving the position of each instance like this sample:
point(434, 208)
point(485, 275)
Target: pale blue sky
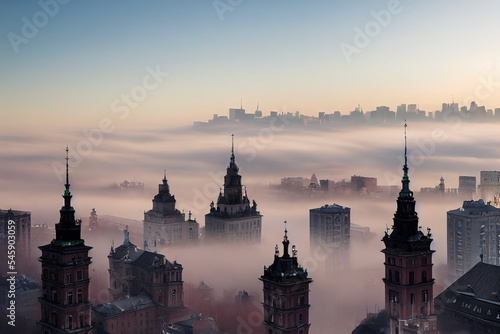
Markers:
point(284, 55)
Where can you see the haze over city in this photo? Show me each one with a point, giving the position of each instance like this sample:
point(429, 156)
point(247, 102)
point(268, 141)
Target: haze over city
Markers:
point(121, 84)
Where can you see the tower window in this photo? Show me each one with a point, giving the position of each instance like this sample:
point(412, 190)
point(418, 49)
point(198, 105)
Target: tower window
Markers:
point(424, 276)
point(396, 278)
point(412, 278)
point(79, 275)
point(425, 296)
point(69, 322)
point(300, 318)
point(70, 297)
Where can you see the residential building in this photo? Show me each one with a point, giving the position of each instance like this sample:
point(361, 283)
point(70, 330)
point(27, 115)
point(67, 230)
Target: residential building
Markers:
point(489, 187)
point(330, 229)
point(18, 224)
point(467, 186)
point(472, 232)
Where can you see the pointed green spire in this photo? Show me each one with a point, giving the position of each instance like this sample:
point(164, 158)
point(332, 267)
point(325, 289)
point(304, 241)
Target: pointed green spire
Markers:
point(405, 181)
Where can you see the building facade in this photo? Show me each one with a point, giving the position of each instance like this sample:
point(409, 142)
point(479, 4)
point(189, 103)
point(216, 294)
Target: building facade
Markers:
point(330, 229)
point(408, 267)
point(65, 303)
point(489, 187)
point(136, 314)
point(286, 293)
point(234, 219)
point(20, 227)
point(472, 232)
point(164, 225)
point(467, 186)
point(133, 271)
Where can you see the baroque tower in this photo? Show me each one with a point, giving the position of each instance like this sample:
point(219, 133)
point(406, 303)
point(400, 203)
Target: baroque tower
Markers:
point(286, 293)
point(65, 304)
point(233, 219)
point(408, 266)
point(164, 225)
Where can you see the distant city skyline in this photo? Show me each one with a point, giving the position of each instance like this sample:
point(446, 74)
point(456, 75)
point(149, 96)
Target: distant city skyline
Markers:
point(174, 62)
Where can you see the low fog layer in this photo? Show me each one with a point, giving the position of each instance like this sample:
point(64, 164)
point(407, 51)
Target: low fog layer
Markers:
point(196, 160)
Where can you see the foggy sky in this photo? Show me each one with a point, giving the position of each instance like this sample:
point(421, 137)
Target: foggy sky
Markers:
point(196, 162)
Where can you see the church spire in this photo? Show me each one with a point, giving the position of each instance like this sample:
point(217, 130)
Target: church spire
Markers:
point(405, 181)
point(68, 228)
point(232, 148)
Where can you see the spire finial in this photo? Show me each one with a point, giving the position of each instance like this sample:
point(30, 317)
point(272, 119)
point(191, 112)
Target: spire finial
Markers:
point(232, 147)
point(67, 165)
point(164, 174)
point(286, 232)
point(405, 191)
point(406, 158)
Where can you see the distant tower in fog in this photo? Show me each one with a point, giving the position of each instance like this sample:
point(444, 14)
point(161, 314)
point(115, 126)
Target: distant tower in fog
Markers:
point(165, 225)
point(286, 293)
point(93, 222)
point(408, 266)
point(233, 219)
point(65, 303)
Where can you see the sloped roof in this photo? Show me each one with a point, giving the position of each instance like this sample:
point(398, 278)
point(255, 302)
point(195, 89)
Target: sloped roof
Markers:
point(475, 294)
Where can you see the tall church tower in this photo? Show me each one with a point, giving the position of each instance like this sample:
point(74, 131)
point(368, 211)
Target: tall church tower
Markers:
point(286, 293)
point(65, 303)
point(233, 219)
point(408, 266)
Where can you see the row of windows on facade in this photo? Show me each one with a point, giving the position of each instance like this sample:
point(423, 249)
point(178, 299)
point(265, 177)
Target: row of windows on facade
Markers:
point(248, 225)
point(411, 262)
point(290, 319)
point(411, 278)
point(69, 297)
point(174, 276)
point(69, 323)
point(285, 302)
point(53, 275)
point(394, 297)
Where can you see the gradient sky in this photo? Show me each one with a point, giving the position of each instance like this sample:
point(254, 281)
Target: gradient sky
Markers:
point(282, 55)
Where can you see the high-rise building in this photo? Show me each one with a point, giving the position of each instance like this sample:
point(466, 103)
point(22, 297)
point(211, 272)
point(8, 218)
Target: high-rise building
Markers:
point(164, 225)
point(330, 228)
point(93, 222)
point(467, 186)
point(65, 303)
point(489, 187)
point(16, 223)
point(286, 293)
point(233, 220)
point(408, 267)
point(473, 232)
